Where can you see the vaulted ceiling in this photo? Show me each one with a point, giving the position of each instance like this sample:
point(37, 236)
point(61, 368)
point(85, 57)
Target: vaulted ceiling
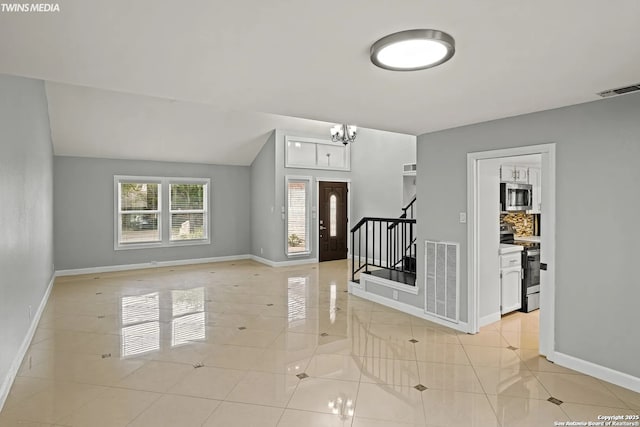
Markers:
point(216, 67)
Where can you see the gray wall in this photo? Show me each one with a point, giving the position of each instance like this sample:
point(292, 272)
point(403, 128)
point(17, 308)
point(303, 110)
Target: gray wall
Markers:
point(26, 191)
point(84, 211)
point(263, 211)
point(376, 184)
point(598, 150)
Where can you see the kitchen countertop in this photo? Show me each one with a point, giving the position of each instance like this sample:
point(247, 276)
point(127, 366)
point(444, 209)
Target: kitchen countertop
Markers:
point(535, 239)
point(506, 248)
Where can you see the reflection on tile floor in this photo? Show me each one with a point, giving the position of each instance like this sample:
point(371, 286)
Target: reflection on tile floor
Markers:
point(242, 344)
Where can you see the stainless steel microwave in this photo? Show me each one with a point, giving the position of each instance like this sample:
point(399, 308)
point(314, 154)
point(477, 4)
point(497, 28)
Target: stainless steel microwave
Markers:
point(515, 197)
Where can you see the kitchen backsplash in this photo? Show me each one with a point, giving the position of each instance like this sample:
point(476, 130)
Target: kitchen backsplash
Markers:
point(522, 223)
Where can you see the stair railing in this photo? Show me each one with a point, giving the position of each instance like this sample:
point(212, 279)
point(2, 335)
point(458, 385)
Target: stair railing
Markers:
point(408, 211)
point(388, 243)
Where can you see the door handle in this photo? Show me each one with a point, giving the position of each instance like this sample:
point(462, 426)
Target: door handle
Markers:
point(322, 227)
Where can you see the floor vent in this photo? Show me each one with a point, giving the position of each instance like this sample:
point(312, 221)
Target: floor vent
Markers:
point(620, 91)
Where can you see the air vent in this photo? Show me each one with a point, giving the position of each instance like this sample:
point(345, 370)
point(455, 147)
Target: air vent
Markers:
point(409, 168)
point(442, 286)
point(620, 91)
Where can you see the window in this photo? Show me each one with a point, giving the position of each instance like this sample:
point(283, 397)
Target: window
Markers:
point(139, 212)
point(298, 210)
point(187, 212)
point(332, 216)
point(312, 153)
point(152, 211)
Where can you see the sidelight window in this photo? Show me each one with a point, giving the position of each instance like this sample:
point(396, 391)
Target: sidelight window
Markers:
point(298, 215)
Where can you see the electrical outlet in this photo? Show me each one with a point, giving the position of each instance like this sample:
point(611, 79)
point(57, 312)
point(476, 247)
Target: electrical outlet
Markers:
point(463, 217)
point(395, 295)
point(261, 251)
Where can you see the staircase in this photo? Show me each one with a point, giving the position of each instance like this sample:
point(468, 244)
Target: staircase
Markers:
point(385, 247)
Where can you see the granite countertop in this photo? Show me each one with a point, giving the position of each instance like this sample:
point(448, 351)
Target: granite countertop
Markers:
point(535, 239)
point(506, 248)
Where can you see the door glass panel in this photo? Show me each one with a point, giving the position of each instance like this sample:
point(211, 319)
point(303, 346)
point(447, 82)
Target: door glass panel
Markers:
point(332, 215)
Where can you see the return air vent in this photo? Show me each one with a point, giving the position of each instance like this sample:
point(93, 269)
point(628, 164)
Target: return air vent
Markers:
point(442, 284)
point(620, 91)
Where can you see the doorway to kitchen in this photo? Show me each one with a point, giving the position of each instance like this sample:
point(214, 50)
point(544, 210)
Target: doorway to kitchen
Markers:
point(333, 232)
point(483, 191)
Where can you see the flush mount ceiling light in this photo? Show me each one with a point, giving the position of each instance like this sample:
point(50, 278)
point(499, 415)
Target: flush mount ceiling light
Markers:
point(412, 50)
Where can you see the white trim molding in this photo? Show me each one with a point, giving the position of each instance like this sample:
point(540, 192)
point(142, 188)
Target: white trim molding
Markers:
point(598, 371)
point(283, 263)
point(547, 300)
point(316, 216)
point(309, 211)
point(7, 382)
point(163, 211)
point(152, 264)
point(358, 290)
point(193, 261)
point(364, 278)
point(489, 319)
point(346, 153)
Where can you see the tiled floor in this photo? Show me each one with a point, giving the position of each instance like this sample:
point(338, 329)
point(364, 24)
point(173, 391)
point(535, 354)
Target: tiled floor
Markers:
point(241, 344)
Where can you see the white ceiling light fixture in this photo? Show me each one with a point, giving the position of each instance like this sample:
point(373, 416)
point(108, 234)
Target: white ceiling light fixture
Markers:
point(344, 133)
point(412, 50)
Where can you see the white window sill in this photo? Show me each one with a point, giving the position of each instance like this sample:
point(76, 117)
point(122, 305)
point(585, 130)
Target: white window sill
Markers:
point(176, 243)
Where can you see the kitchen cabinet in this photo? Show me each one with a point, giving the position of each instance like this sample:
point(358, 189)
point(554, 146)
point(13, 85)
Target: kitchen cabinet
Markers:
point(514, 173)
point(510, 282)
point(536, 198)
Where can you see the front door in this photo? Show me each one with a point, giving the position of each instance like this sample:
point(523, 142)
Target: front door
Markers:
point(332, 220)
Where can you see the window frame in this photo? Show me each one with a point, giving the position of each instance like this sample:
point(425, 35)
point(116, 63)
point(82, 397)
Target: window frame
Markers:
point(309, 232)
point(163, 212)
point(316, 142)
point(204, 210)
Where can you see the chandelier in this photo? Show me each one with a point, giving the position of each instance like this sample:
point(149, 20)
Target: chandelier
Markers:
point(343, 133)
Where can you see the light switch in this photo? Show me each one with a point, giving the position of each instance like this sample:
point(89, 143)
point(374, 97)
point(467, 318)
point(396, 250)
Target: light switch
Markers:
point(463, 217)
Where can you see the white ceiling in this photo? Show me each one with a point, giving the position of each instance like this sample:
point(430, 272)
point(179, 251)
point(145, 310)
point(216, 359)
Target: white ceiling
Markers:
point(309, 59)
point(97, 123)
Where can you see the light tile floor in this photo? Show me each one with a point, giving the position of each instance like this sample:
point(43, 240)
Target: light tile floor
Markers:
point(242, 344)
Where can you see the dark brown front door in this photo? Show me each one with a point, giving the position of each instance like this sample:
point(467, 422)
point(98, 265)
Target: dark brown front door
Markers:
point(332, 220)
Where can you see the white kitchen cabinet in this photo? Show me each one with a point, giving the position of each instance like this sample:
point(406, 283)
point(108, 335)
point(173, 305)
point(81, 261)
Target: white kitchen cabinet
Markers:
point(514, 173)
point(536, 181)
point(510, 283)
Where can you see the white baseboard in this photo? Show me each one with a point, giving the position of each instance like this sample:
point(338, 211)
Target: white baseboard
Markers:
point(601, 372)
point(26, 342)
point(388, 283)
point(283, 263)
point(357, 289)
point(153, 264)
point(489, 319)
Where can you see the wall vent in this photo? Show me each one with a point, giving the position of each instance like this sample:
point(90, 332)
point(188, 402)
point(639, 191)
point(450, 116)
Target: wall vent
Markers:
point(409, 168)
point(442, 287)
point(620, 91)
